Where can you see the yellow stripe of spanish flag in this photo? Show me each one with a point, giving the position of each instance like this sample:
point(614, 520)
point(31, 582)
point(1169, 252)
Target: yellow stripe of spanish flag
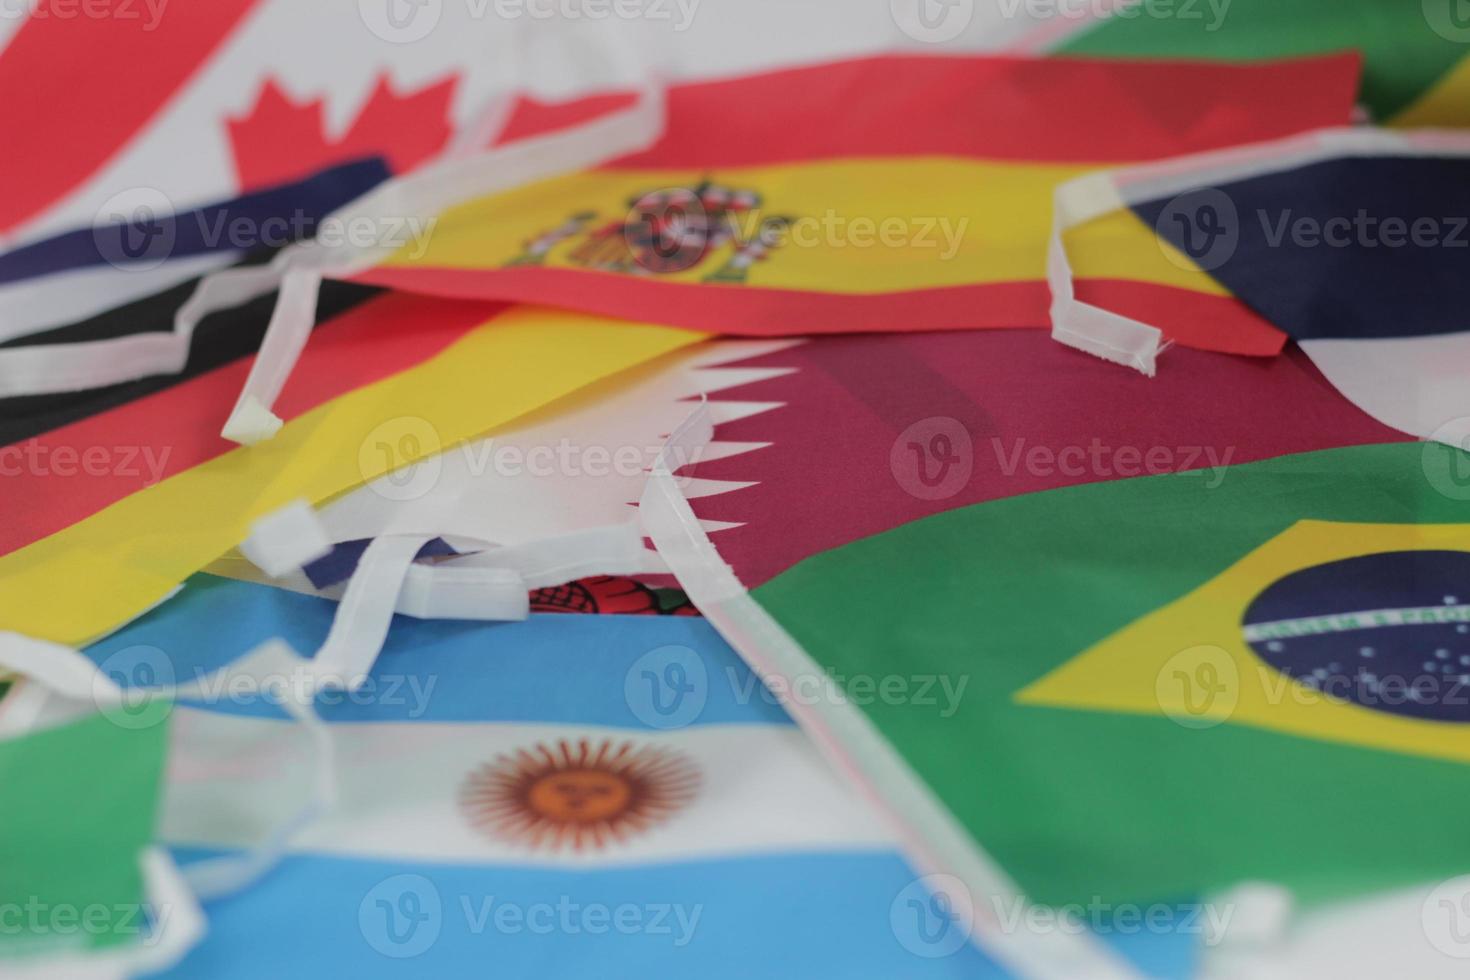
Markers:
point(856, 226)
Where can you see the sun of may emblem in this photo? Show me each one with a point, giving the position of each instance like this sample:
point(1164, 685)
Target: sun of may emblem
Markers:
point(577, 795)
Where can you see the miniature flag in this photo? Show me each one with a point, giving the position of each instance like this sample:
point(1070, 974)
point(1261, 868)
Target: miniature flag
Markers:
point(1352, 241)
point(1410, 50)
point(761, 211)
point(124, 505)
point(1002, 541)
point(1171, 684)
point(608, 766)
point(72, 877)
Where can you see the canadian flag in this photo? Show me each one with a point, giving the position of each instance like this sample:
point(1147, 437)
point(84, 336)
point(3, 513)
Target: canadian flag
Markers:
point(204, 99)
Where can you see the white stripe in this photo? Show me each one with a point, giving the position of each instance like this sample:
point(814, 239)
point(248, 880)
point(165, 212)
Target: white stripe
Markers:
point(1166, 178)
point(1355, 620)
point(712, 380)
point(724, 412)
point(51, 368)
point(1386, 935)
point(33, 305)
point(1136, 344)
point(763, 789)
point(539, 478)
point(1418, 385)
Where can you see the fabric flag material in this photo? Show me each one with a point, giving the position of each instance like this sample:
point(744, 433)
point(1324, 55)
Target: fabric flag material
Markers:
point(737, 828)
point(72, 874)
point(1407, 47)
point(140, 62)
point(147, 247)
point(1358, 252)
point(357, 348)
point(575, 466)
point(924, 423)
point(1173, 793)
point(1445, 105)
point(375, 379)
point(255, 97)
point(220, 338)
point(34, 305)
point(759, 212)
point(578, 465)
point(1008, 586)
point(595, 594)
point(1409, 669)
point(941, 426)
point(1351, 240)
point(148, 236)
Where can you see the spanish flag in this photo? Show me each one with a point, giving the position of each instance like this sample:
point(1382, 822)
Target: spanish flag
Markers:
point(923, 204)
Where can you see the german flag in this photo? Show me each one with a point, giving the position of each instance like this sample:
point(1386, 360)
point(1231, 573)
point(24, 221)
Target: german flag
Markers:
point(111, 511)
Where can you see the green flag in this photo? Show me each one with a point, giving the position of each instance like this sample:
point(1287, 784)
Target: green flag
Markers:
point(1067, 617)
point(78, 813)
point(1407, 46)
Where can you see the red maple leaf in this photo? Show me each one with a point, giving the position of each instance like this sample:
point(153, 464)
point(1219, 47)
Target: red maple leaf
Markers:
point(280, 140)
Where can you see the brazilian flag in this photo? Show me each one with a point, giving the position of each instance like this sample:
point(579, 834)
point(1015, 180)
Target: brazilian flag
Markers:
point(1416, 69)
point(1173, 688)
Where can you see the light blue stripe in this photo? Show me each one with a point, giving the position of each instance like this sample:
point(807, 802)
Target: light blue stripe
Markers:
point(804, 917)
point(641, 672)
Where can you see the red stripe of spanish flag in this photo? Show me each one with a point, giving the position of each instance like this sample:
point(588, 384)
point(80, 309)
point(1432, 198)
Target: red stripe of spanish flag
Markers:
point(889, 193)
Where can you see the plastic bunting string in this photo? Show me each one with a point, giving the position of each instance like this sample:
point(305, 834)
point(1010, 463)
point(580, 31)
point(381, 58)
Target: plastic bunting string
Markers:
point(53, 671)
point(33, 305)
point(490, 584)
point(493, 584)
point(932, 839)
point(1136, 344)
point(299, 270)
point(50, 368)
point(180, 932)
